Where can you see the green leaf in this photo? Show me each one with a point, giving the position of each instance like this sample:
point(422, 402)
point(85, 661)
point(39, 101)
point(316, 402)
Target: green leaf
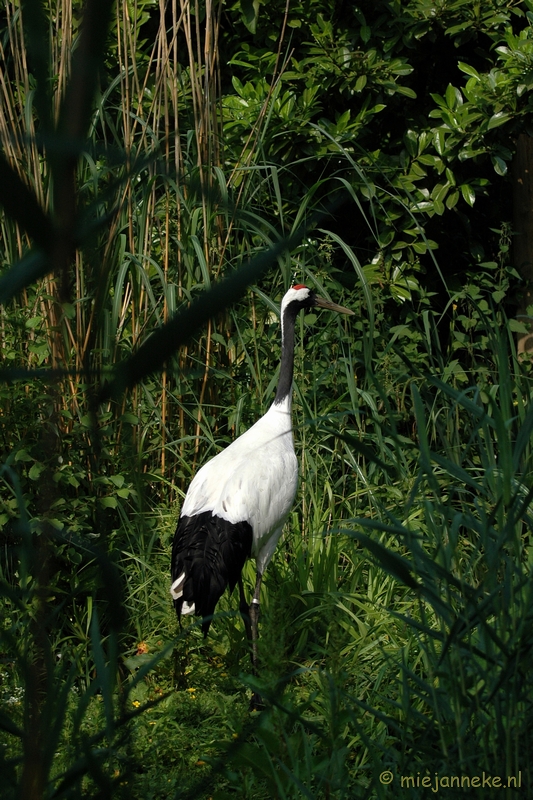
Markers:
point(454, 97)
point(468, 194)
point(104, 674)
point(411, 142)
point(343, 120)
point(518, 327)
point(406, 91)
point(385, 238)
point(439, 140)
point(468, 69)
point(108, 502)
point(500, 166)
point(498, 119)
point(428, 160)
point(250, 13)
point(463, 26)
point(36, 470)
point(438, 205)
point(23, 455)
point(451, 200)
point(131, 419)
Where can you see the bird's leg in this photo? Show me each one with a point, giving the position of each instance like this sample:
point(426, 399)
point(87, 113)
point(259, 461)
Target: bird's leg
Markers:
point(256, 701)
point(245, 612)
point(254, 619)
point(181, 661)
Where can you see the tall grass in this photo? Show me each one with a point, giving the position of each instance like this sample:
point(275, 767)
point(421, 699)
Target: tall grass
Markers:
point(412, 653)
point(154, 209)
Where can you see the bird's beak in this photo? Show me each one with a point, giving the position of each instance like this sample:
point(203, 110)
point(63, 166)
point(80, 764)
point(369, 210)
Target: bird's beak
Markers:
point(320, 301)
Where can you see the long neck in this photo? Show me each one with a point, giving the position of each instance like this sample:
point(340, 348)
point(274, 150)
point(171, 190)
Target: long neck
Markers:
point(286, 370)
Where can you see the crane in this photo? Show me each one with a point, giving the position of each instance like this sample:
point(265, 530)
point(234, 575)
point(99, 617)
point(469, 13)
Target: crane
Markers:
point(237, 503)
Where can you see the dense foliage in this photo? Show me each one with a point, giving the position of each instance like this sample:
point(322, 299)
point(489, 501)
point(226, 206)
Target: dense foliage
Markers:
point(362, 149)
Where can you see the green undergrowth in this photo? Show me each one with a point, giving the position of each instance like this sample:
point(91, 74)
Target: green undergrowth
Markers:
point(396, 613)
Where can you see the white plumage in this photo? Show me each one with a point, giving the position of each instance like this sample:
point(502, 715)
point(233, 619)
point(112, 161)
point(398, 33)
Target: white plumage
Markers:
point(238, 502)
point(253, 479)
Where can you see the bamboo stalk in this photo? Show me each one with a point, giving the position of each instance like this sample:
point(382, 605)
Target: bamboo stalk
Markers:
point(150, 219)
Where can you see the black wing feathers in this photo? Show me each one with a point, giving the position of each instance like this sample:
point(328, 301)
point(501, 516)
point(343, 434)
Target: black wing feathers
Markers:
point(211, 551)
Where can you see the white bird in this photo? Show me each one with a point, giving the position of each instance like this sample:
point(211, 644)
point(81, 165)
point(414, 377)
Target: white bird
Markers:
point(238, 502)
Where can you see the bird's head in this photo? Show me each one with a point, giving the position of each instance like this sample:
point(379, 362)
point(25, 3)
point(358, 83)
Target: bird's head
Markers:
point(301, 296)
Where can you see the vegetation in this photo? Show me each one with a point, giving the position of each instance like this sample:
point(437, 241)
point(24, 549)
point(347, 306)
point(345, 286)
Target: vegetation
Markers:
point(165, 173)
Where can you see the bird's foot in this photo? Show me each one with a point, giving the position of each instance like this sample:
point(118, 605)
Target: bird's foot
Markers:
point(256, 702)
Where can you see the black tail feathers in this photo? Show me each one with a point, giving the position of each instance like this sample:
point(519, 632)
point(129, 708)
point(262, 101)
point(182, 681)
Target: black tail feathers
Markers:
point(209, 552)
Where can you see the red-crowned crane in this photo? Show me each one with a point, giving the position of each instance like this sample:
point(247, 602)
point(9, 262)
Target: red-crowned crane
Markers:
point(238, 502)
